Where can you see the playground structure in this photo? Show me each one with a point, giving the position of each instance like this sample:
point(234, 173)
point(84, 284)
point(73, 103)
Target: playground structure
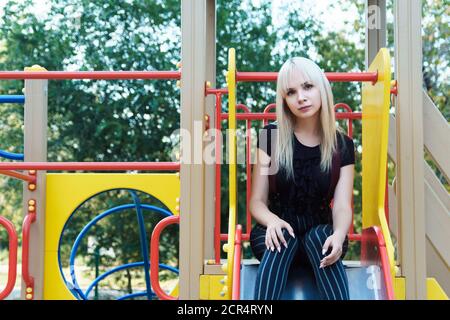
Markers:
point(415, 210)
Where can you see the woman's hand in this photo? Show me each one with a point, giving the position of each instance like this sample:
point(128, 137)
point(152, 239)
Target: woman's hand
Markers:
point(274, 233)
point(335, 241)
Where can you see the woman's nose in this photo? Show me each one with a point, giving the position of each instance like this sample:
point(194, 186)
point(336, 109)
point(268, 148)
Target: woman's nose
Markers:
point(301, 96)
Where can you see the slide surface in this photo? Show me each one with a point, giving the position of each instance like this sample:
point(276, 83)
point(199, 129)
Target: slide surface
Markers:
point(364, 282)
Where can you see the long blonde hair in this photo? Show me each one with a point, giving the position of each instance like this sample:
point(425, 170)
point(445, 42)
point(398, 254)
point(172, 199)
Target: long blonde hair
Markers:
point(312, 73)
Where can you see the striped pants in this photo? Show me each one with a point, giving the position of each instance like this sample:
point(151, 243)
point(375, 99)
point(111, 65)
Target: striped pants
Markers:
point(306, 247)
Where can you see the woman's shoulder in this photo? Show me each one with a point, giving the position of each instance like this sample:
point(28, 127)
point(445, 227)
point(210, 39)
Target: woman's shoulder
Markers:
point(265, 137)
point(346, 148)
point(344, 141)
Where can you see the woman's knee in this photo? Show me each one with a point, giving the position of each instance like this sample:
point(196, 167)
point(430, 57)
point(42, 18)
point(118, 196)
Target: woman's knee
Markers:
point(257, 241)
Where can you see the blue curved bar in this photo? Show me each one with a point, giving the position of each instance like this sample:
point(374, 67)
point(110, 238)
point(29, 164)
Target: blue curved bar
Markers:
point(11, 156)
point(144, 243)
point(12, 99)
point(123, 267)
point(76, 288)
point(134, 295)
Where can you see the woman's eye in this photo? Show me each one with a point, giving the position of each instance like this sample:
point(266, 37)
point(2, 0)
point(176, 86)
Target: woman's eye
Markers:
point(290, 92)
point(308, 86)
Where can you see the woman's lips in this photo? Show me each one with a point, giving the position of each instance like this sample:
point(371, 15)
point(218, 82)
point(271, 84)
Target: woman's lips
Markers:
point(306, 108)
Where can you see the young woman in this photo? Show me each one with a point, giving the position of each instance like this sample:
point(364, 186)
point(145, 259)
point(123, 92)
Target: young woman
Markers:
point(303, 162)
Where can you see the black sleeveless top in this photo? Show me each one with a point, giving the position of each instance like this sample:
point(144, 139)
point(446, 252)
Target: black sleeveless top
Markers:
point(307, 193)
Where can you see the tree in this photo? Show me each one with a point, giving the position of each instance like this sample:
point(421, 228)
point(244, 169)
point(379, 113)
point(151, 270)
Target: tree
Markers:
point(95, 120)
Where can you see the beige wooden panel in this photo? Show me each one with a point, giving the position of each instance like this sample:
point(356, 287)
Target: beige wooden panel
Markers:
point(410, 172)
point(436, 135)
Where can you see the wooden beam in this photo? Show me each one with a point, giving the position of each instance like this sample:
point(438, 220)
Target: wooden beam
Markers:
point(410, 153)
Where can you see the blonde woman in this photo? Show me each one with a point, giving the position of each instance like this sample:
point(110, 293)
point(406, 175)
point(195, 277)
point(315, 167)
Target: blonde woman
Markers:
point(303, 162)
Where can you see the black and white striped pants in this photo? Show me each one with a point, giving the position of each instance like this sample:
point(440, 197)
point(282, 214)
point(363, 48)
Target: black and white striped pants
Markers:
point(305, 248)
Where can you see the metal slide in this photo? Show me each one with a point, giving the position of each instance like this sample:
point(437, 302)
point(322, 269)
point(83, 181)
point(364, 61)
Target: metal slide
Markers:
point(368, 279)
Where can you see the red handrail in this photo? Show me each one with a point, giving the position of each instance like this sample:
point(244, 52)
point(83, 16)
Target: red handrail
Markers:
point(235, 295)
point(267, 110)
point(272, 116)
point(100, 166)
point(98, 75)
point(348, 110)
point(27, 278)
point(251, 116)
point(18, 175)
point(331, 76)
point(12, 235)
point(248, 169)
point(385, 265)
point(374, 236)
point(154, 256)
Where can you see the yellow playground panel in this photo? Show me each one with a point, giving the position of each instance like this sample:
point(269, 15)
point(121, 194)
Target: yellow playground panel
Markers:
point(375, 132)
point(66, 191)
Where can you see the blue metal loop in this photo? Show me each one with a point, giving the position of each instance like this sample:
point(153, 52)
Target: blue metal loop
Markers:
point(144, 247)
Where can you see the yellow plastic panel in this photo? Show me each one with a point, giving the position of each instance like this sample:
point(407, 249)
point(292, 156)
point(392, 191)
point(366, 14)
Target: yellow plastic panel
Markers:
point(66, 191)
point(399, 288)
point(435, 291)
point(211, 287)
point(375, 129)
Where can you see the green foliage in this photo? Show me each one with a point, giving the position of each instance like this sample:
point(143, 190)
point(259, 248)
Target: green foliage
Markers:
point(95, 120)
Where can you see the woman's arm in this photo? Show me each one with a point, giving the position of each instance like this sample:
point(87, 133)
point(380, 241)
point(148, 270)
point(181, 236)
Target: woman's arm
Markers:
point(258, 204)
point(342, 203)
point(260, 189)
point(342, 215)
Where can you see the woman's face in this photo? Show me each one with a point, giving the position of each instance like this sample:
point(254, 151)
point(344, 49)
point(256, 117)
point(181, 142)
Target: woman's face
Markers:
point(303, 98)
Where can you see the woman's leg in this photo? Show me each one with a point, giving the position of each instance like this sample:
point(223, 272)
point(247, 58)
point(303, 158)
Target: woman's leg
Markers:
point(274, 267)
point(332, 280)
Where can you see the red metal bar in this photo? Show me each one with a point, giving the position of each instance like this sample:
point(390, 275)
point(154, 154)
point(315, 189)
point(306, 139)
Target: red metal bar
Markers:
point(354, 237)
point(97, 75)
point(342, 105)
point(251, 116)
point(154, 256)
point(18, 175)
point(100, 166)
point(224, 237)
point(235, 294)
point(348, 110)
point(394, 87)
point(27, 278)
point(373, 251)
point(272, 116)
point(331, 76)
point(12, 261)
point(216, 91)
point(268, 110)
point(385, 265)
point(248, 167)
